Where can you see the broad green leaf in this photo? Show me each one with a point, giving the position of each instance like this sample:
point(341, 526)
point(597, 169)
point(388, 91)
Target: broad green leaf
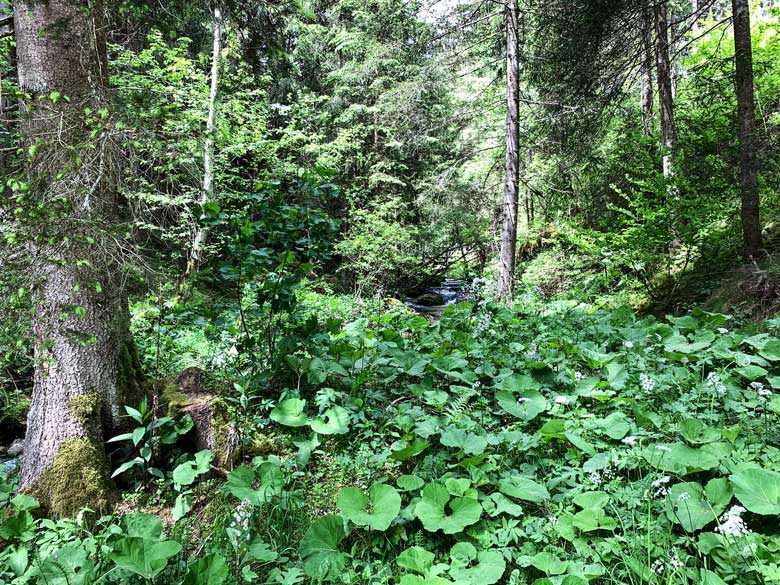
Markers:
point(687, 505)
point(523, 488)
point(469, 443)
point(489, 569)
point(385, 504)
point(319, 549)
point(497, 503)
point(143, 556)
point(526, 405)
point(432, 510)
point(549, 564)
point(592, 519)
point(334, 421)
point(210, 570)
point(290, 413)
point(408, 483)
point(415, 559)
point(758, 490)
point(410, 450)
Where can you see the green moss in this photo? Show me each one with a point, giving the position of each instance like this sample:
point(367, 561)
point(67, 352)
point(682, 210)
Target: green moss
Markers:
point(78, 478)
point(129, 376)
point(85, 408)
point(171, 397)
point(223, 432)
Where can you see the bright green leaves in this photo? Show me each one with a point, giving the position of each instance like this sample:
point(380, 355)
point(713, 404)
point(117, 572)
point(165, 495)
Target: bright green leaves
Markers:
point(383, 501)
point(523, 488)
point(488, 569)
point(319, 550)
point(415, 559)
point(186, 473)
point(289, 412)
point(682, 459)
point(758, 490)
point(210, 570)
point(520, 397)
point(142, 551)
point(334, 421)
point(437, 510)
point(256, 486)
point(693, 507)
point(592, 517)
point(469, 443)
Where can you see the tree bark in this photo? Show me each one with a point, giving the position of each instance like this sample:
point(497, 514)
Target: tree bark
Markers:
point(85, 361)
point(748, 165)
point(665, 88)
point(506, 268)
point(646, 71)
point(207, 193)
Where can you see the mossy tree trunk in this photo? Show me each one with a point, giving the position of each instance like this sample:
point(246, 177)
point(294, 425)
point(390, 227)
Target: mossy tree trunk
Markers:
point(86, 366)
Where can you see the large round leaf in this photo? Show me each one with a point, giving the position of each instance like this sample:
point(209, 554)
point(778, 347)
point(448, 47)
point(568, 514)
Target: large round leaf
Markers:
point(523, 488)
point(334, 421)
point(520, 397)
point(432, 510)
point(319, 550)
point(687, 505)
point(758, 490)
point(290, 413)
point(487, 571)
point(385, 504)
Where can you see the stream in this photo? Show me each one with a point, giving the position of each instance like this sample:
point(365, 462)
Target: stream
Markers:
point(434, 300)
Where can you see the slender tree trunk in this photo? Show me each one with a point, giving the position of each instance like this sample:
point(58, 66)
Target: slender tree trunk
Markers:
point(646, 70)
point(207, 193)
point(85, 361)
point(665, 89)
point(506, 268)
point(743, 60)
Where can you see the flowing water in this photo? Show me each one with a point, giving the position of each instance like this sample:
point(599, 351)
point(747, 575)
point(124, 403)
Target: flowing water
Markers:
point(449, 292)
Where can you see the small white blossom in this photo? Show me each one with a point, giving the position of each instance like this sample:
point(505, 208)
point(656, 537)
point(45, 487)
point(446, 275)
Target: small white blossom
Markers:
point(647, 383)
point(715, 383)
point(578, 376)
point(722, 330)
point(765, 392)
point(732, 524)
point(630, 440)
point(657, 567)
point(674, 561)
point(552, 520)
point(659, 487)
point(663, 448)
point(629, 344)
point(523, 400)
point(561, 400)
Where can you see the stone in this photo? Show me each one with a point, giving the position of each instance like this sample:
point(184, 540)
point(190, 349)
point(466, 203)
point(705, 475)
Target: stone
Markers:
point(16, 448)
point(430, 300)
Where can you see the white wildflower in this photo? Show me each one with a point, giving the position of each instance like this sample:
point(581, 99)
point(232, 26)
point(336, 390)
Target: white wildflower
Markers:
point(732, 524)
point(722, 330)
point(523, 400)
point(630, 440)
point(765, 392)
point(715, 383)
point(657, 567)
point(647, 383)
point(552, 520)
point(659, 487)
point(594, 478)
point(562, 400)
point(674, 561)
point(629, 344)
point(663, 448)
point(578, 376)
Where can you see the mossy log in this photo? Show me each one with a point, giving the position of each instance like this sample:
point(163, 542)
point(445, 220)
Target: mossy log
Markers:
point(213, 429)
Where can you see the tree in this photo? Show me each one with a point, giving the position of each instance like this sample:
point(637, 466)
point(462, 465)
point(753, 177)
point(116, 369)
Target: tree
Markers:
point(743, 61)
point(664, 80)
point(207, 193)
point(506, 268)
point(646, 70)
point(86, 365)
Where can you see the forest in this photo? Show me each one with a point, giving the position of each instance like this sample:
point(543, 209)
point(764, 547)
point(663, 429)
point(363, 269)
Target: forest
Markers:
point(389, 292)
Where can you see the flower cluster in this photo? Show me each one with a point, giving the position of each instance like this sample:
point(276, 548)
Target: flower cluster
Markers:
point(646, 382)
point(715, 383)
point(732, 524)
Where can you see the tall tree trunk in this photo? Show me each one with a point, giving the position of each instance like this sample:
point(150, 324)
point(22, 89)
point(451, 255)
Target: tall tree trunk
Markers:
point(506, 268)
point(646, 71)
point(743, 61)
point(85, 361)
point(207, 193)
point(665, 89)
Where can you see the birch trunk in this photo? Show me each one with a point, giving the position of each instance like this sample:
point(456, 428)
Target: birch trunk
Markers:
point(748, 166)
point(506, 268)
point(665, 88)
point(207, 193)
point(85, 362)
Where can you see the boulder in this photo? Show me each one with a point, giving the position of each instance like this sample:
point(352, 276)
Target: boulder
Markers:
point(430, 300)
point(16, 448)
point(189, 394)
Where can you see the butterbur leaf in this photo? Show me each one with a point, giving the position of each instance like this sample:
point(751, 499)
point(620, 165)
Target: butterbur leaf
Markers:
point(181, 506)
point(322, 559)
point(69, 565)
point(334, 421)
point(433, 512)
point(525, 405)
point(186, 473)
point(210, 570)
point(523, 488)
point(410, 450)
point(409, 483)
point(488, 570)
point(548, 563)
point(242, 480)
point(143, 556)
point(498, 503)
point(758, 490)
point(260, 551)
point(290, 413)
point(385, 504)
point(415, 559)
point(469, 443)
